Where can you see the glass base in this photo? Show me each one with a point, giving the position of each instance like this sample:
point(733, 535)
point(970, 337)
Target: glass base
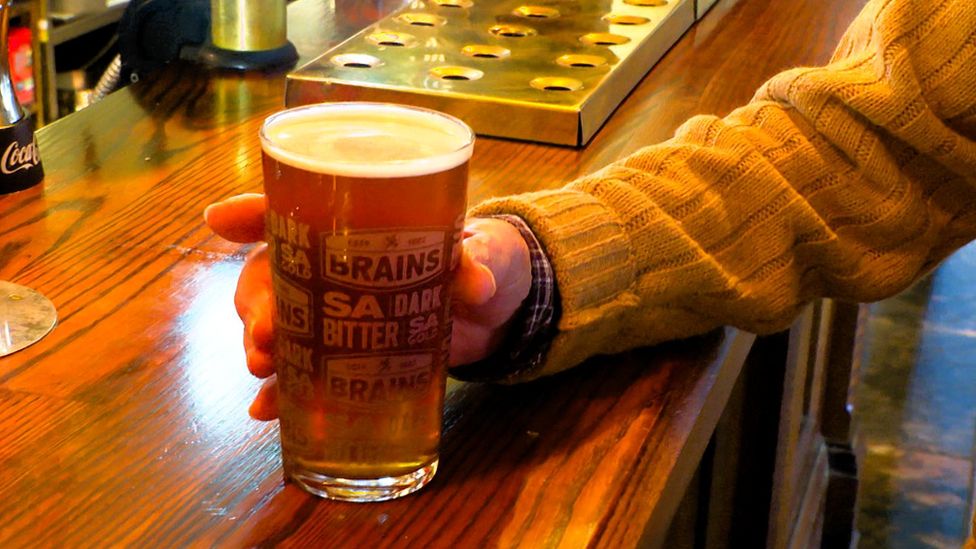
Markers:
point(361, 490)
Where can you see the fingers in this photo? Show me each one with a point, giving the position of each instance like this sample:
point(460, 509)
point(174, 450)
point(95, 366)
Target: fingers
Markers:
point(265, 405)
point(471, 341)
point(253, 301)
point(259, 337)
point(238, 219)
point(259, 360)
point(241, 219)
point(254, 284)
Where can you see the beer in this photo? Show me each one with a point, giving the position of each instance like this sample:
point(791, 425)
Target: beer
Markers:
point(365, 204)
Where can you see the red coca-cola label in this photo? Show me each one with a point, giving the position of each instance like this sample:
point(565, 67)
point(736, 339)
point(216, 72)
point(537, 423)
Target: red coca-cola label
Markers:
point(20, 163)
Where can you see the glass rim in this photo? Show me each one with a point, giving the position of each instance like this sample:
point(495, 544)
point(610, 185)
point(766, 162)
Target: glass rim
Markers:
point(463, 151)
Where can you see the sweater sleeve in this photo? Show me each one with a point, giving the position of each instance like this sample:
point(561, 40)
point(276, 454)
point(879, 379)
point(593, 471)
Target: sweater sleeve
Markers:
point(847, 181)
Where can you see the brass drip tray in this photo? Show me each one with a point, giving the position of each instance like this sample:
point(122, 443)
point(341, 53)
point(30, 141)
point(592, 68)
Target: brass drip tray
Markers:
point(552, 71)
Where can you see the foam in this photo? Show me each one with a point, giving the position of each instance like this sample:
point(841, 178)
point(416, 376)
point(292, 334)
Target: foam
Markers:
point(369, 140)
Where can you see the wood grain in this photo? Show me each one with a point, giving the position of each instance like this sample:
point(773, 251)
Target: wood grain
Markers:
point(127, 426)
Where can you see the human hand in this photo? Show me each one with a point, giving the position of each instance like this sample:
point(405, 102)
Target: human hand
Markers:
point(491, 282)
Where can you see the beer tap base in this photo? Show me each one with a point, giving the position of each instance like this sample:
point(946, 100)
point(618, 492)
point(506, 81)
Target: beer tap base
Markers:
point(219, 58)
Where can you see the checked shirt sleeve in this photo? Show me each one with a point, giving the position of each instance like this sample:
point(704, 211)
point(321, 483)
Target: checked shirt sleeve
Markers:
point(532, 330)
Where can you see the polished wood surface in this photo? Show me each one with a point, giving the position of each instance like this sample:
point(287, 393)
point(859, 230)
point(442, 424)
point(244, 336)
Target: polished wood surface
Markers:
point(127, 425)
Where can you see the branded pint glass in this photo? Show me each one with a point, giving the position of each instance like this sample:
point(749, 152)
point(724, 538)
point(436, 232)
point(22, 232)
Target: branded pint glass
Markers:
point(365, 206)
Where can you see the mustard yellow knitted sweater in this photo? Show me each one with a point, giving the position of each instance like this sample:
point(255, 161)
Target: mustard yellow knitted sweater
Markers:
point(848, 181)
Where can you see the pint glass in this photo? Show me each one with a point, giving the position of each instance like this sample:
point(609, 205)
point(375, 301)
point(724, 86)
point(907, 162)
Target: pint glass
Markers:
point(365, 206)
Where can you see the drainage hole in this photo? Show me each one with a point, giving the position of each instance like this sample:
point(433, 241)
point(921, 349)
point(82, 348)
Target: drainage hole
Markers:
point(394, 39)
point(580, 61)
point(512, 31)
point(356, 61)
point(556, 84)
point(482, 51)
point(421, 19)
point(536, 12)
point(456, 73)
point(604, 39)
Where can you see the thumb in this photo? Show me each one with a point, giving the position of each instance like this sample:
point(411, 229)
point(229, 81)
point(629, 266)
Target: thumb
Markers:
point(474, 283)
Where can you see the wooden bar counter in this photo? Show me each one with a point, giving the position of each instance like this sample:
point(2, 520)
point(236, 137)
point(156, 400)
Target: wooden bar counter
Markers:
point(128, 426)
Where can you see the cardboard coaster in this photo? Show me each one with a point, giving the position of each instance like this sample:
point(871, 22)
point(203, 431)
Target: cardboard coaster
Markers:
point(26, 316)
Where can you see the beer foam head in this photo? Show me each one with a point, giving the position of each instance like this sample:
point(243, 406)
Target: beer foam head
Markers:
point(369, 140)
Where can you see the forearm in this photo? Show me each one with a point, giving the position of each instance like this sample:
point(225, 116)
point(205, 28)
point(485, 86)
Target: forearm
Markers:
point(844, 181)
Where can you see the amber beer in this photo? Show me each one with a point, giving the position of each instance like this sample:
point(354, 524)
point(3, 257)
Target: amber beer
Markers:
point(365, 204)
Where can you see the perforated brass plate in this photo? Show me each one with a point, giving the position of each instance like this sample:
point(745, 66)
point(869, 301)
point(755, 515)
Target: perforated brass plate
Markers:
point(549, 70)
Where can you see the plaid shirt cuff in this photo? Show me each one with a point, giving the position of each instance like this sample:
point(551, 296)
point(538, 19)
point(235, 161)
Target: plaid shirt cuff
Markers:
point(531, 330)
